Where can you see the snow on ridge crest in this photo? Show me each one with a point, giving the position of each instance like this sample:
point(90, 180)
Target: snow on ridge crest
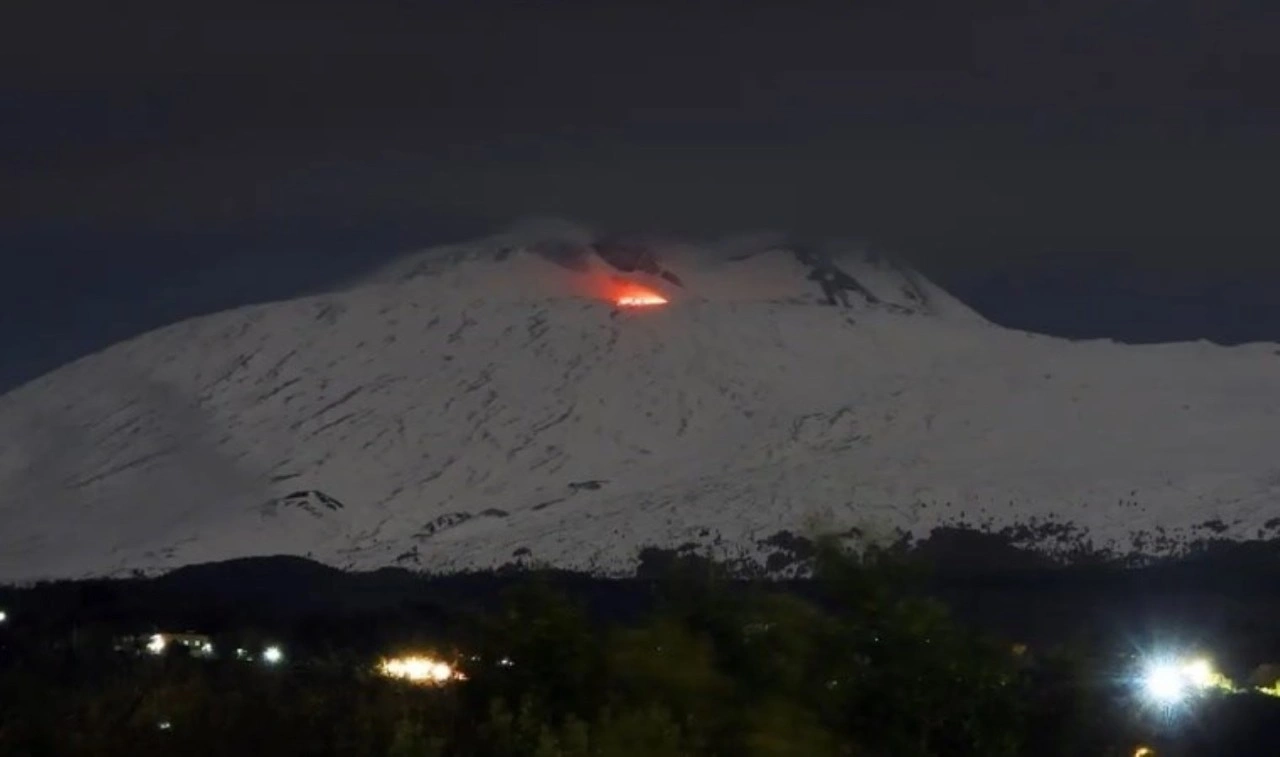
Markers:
point(574, 263)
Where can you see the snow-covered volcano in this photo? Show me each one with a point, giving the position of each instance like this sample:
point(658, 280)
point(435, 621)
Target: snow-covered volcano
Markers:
point(483, 404)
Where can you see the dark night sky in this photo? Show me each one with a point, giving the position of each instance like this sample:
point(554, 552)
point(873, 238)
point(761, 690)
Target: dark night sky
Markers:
point(1087, 168)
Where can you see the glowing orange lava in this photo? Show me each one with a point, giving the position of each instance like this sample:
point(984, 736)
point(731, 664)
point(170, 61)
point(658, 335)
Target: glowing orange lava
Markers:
point(640, 298)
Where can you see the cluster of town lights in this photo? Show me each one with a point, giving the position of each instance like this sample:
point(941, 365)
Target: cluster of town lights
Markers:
point(158, 643)
point(419, 669)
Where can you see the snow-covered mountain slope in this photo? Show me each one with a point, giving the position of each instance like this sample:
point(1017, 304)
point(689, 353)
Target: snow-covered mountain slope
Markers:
point(480, 405)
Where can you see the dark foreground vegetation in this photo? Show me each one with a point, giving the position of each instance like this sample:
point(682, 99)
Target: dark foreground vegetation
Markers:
point(862, 663)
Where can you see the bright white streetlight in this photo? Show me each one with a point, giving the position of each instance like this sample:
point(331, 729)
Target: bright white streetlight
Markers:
point(1165, 683)
point(1170, 681)
point(272, 655)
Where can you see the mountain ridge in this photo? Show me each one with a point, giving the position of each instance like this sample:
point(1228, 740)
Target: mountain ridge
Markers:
point(489, 403)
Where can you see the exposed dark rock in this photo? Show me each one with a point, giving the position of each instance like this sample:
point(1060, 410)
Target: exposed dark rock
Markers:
point(548, 503)
point(441, 523)
point(311, 501)
point(591, 485)
point(329, 312)
point(833, 281)
point(323, 499)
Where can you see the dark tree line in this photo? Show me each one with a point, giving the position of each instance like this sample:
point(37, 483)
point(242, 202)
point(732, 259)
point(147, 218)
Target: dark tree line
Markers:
point(865, 667)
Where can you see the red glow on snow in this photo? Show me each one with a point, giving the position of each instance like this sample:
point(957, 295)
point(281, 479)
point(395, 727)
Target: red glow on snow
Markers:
point(639, 298)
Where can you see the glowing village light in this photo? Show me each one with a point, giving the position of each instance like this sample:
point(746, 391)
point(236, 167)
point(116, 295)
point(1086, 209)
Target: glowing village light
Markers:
point(3, 616)
point(157, 643)
point(419, 669)
point(272, 655)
